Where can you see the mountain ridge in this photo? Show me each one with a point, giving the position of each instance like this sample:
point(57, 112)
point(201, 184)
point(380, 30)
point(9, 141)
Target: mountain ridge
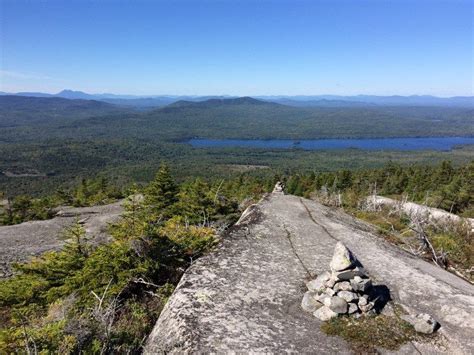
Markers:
point(145, 101)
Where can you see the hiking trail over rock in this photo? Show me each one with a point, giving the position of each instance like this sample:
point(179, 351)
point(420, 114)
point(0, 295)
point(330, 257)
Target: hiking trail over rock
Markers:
point(245, 296)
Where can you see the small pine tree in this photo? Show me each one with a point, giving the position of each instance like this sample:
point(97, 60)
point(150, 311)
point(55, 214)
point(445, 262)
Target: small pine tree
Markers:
point(161, 193)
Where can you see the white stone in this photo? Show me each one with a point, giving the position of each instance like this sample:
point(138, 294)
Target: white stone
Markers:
point(318, 284)
point(366, 307)
point(425, 324)
point(331, 282)
point(352, 308)
point(321, 297)
point(324, 313)
point(342, 258)
point(362, 301)
point(329, 292)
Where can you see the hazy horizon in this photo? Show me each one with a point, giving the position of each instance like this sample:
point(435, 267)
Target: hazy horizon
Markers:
point(227, 95)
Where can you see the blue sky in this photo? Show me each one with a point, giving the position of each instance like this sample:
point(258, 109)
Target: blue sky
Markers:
point(238, 47)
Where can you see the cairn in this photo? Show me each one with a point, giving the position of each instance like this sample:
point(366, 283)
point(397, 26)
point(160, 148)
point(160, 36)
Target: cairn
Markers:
point(279, 188)
point(346, 289)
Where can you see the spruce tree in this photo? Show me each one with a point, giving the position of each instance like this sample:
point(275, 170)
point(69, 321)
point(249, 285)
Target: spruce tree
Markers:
point(161, 192)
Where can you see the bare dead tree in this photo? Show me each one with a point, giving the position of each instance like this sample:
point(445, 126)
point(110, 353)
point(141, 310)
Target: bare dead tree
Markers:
point(418, 224)
point(30, 349)
point(105, 315)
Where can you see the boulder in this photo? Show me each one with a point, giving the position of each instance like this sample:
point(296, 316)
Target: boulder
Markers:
point(309, 302)
point(336, 304)
point(342, 258)
point(347, 296)
point(325, 313)
point(425, 324)
point(318, 284)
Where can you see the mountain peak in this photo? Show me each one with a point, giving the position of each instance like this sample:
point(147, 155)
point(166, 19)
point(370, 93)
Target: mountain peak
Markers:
point(246, 100)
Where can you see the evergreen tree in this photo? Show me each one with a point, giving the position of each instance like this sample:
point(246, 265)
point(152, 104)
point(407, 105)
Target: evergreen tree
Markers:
point(161, 193)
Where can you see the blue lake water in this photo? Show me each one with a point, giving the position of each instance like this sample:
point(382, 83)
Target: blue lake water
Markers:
point(433, 143)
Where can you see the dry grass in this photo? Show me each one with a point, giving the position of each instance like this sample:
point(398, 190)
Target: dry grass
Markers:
point(367, 334)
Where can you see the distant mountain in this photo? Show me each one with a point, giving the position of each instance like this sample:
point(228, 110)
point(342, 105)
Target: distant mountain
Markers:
point(70, 94)
point(363, 100)
point(219, 102)
point(150, 101)
point(320, 103)
point(19, 110)
point(32, 94)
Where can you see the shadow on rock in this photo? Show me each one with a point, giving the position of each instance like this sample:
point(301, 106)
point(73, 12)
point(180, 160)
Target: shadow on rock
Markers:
point(380, 294)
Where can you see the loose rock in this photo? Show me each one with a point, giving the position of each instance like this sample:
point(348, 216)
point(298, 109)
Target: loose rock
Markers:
point(364, 285)
point(342, 258)
point(347, 296)
point(329, 292)
point(352, 308)
point(324, 313)
point(350, 274)
point(366, 307)
point(336, 304)
point(309, 302)
point(425, 324)
point(318, 283)
point(343, 286)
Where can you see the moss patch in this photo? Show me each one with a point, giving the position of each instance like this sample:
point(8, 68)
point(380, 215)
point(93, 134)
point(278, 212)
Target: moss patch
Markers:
point(366, 334)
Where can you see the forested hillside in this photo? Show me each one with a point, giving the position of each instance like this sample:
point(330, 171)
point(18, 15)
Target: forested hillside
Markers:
point(49, 141)
point(31, 111)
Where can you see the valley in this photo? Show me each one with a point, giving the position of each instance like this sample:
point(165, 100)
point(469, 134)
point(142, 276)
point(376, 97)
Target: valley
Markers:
point(63, 140)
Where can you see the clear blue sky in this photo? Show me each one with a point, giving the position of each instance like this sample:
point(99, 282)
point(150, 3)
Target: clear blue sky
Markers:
point(238, 47)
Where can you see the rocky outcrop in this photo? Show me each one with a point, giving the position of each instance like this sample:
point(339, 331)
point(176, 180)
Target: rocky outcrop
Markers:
point(414, 209)
point(20, 242)
point(248, 294)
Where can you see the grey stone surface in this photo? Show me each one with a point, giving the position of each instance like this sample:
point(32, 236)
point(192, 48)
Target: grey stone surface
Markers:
point(309, 302)
point(20, 242)
point(245, 296)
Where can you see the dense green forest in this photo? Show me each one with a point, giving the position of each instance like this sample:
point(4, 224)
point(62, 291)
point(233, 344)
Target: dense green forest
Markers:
point(50, 142)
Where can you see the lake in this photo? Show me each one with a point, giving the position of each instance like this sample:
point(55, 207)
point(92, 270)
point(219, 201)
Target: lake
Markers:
point(433, 143)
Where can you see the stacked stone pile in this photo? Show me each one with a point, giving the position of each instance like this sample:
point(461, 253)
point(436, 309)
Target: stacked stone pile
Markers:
point(346, 289)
